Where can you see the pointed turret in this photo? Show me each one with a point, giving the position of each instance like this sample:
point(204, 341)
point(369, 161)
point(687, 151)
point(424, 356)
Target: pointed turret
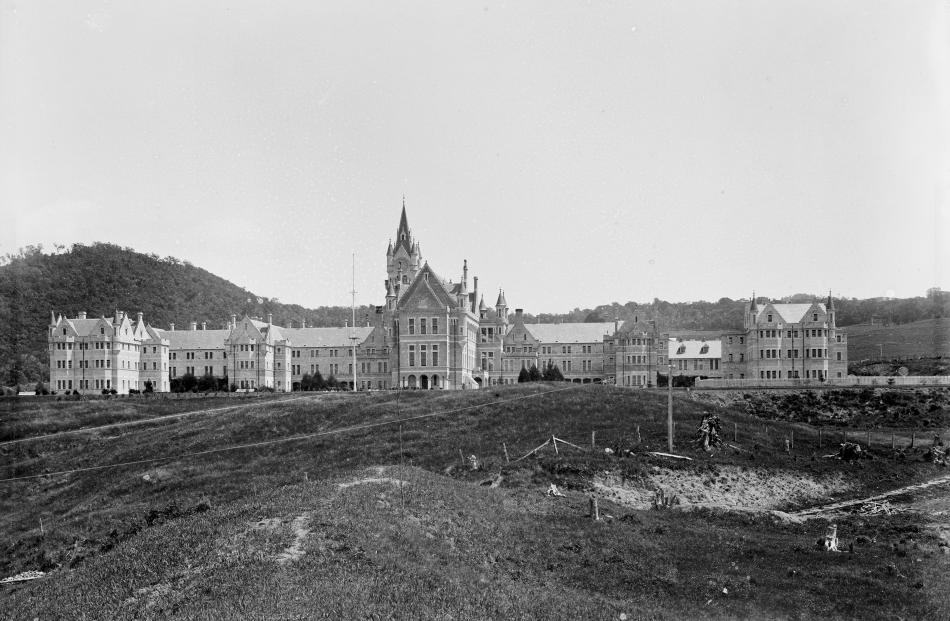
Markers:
point(501, 306)
point(752, 314)
point(389, 250)
point(501, 299)
point(830, 306)
point(52, 318)
point(481, 305)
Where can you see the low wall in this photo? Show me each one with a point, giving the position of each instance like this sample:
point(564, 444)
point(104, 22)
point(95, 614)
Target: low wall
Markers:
point(851, 380)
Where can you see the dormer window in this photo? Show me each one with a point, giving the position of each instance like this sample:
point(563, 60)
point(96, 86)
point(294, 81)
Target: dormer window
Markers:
point(681, 349)
point(102, 330)
point(814, 317)
point(704, 349)
point(64, 331)
point(770, 319)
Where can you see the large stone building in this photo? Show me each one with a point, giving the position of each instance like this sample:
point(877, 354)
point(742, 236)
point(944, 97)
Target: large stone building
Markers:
point(432, 333)
point(786, 341)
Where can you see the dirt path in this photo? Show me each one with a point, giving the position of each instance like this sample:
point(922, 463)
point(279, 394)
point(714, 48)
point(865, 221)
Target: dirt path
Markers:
point(837, 506)
point(156, 419)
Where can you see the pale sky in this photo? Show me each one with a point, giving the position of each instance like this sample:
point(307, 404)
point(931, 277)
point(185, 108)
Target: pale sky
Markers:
point(575, 153)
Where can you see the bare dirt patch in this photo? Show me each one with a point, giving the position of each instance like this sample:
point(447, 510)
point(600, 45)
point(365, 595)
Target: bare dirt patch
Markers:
point(295, 551)
point(732, 487)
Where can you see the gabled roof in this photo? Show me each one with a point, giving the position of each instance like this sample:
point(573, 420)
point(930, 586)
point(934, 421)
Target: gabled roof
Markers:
point(570, 332)
point(325, 337)
point(693, 349)
point(789, 313)
point(152, 333)
point(194, 339)
point(427, 280)
point(83, 327)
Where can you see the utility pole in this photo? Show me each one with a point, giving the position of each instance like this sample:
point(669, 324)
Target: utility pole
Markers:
point(353, 333)
point(669, 413)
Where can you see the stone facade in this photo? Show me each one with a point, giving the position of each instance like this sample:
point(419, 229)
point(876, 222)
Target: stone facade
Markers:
point(786, 341)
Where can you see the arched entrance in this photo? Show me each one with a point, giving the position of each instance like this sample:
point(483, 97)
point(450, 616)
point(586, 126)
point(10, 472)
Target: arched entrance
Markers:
point(586, 380)
point(435, 381)
point(411, 381)
point(478, 381)
point(424, 382)
point(577, 380)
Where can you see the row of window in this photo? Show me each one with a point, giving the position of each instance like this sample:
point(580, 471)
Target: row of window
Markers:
point(812, 352)
point(699, 364)
point(793, 334)
point(566, 349)
point(424, 325)
point(423, 355)
point(314, 353)
point(519, 350)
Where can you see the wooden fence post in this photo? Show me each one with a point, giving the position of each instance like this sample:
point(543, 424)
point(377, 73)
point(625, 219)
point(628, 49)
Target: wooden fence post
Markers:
point(461, 457)
point(913, 439)
point(819, 437)
point(554, 442)
point(893, 441)
point(505, 447)
point(594, 511)
point(735, 432)
point(593, 440)
point(792, 432)
point(639, 439)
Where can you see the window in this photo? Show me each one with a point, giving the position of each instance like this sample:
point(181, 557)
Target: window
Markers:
point(769, 319)
point(412, 325)
point(422, 327)
point(814, 317)
point(838, 357)
point(435, 325)
point(422, 354)
point(435, 355)
point(412, 354)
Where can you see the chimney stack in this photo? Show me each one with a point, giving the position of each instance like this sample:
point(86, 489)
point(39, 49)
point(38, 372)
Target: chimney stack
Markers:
point(193, 325)
point(475, 299)
point(270, 318)
point(81, 315)
point(139, 316)
point(171, 327)
point(233, 321)
point(204, 325)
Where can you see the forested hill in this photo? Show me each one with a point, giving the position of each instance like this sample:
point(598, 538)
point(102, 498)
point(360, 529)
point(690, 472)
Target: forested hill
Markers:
point(103, 277)
point(727, 313)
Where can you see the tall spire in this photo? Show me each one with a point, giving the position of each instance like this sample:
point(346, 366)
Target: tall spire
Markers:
point(831, 302)
point(403, 233)
point(753, 308)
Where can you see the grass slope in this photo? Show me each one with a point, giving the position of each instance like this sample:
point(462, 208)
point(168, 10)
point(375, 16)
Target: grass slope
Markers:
point(929, 338)
point(203, 537)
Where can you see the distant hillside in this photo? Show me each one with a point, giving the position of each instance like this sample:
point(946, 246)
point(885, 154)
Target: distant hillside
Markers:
point(928, 338)
point(726, 313)
point(103, 277)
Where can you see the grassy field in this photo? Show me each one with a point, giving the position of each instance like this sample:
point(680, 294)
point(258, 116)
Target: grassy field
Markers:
point(384, 521)
point(928, 339)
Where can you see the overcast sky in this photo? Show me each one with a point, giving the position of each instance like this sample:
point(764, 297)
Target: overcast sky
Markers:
point(575, 153)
